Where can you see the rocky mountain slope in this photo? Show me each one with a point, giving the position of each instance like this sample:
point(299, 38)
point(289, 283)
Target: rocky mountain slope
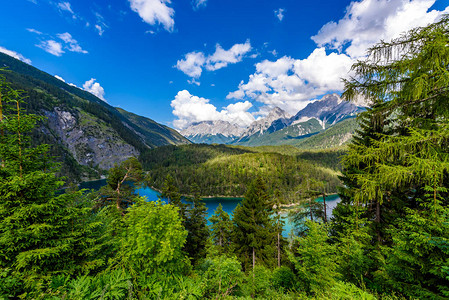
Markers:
point(276, 120)
point(316, 117)
point(86, 134)
point(329, 110)
point(279, 128)
point(335, 136)
point(212, 132)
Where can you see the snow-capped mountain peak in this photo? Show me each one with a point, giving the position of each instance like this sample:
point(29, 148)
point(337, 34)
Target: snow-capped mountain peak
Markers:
point(328, 110)
point(262, 125)
point(212, 128)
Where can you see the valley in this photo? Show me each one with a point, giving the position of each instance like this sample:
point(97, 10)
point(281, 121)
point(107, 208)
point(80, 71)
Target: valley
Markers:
point(288, 159)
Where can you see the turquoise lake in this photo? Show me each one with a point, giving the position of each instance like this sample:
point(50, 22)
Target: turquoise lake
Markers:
point(229, 204)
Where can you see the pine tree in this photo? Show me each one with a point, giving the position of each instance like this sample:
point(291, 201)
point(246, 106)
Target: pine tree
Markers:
point(122, 180)
point(254, 232)
point(171, 192)
point(407, 166)
point(314, 259)
point(372, 127)
point(279, 225)
point(221, 228)
point(41, 234)
point(406, 81)
point(196, 225)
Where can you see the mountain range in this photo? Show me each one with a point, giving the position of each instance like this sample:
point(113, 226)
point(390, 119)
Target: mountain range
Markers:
point(86, 134)
point(280, 128)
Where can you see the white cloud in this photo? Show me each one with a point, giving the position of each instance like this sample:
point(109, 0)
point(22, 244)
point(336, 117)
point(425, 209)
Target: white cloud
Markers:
point(15, 55)
point(34, 31)
point(67, 7)
point(197, 4)
point(94, 88)
point(279, 13)
point(189, 109)
point(52, 47)
point(291, 83)
point(71, 44)
point(155, 12)
point(99, 29)
point(194, 81)
point(100, 25)
point(193, 62)
point(369, 21)
point(221, 58)
point(60, 78)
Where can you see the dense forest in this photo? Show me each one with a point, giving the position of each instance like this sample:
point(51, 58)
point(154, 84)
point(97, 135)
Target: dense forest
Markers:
point(222, 170)
point(388, 238)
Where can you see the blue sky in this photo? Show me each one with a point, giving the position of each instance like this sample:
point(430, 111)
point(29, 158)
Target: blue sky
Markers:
point(183, 61)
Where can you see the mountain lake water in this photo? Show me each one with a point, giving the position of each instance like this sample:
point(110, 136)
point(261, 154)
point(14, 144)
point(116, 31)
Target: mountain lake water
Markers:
point(229, 204)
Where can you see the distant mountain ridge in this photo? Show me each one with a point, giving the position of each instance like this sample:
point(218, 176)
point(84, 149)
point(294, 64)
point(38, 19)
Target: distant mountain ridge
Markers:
point(264, 125)
point(86, 134)
point(212, 132)
point(278, 127)
point(328, 110)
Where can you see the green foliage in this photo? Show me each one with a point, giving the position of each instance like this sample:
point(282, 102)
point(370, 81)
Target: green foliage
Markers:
point(10, 284)
point(283, 279)
point(152, 243)
point(221, 228)
point(170, 192)
point(258, 282)
point(122, 180)
point(38, 230)
point(417, 263)
point(339, 135)
point(354, 253)
point(226, 171)
point(254, 232)
point(347, 291)
point(307, 210)
point(113, 285)
point(314, 260)
point(222, 275)
point(397, 167)
point(196, 225)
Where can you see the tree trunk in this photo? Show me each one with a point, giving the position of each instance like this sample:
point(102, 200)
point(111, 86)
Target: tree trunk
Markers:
point(19, 138)
point(379, 239)
point(325, 212)
point(254, 260)
point(279, 249)
point(310, 209)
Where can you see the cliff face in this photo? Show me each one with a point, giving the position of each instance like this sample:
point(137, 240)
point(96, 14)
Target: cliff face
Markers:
point(89, 139)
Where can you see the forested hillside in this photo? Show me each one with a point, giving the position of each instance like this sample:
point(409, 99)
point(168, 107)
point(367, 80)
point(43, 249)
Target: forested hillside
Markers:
point(221, 170)
point(86, 134)
point(337, 135)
